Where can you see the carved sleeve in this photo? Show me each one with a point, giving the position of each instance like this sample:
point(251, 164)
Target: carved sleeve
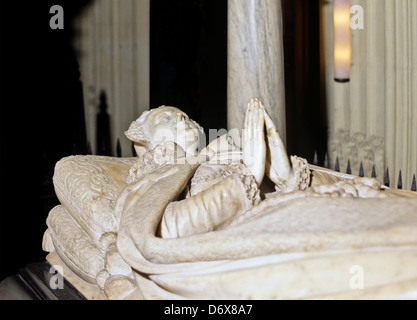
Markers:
point(214, 208)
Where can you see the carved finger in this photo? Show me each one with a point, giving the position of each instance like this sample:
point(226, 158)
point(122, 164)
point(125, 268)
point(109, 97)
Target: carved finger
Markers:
point(278, 167)
point(254, 147)
point(258, 124)
point(258, 121)
point(246, 124)
point(248, 128)
point(272, 131)
point(261, 119)
point(251, 111)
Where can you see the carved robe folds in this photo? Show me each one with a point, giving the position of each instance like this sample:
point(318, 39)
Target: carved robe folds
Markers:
point(173, 225)
point(292, 246)
point(295, 245)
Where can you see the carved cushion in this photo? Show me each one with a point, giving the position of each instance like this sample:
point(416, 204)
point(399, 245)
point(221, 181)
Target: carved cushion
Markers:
point(88, 188)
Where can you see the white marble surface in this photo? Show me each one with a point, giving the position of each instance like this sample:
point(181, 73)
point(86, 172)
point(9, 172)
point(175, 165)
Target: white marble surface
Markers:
point(255, 60)
point(126, 227)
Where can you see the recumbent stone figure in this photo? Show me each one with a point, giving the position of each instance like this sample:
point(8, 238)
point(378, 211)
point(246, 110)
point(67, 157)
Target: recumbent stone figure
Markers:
point(176, 222)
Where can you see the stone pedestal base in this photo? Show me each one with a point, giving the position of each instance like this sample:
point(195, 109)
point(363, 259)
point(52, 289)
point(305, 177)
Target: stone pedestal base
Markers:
point(89, 291)
point(39, 281)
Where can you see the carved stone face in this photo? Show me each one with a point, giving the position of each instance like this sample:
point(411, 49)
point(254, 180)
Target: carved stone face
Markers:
point(169, 124)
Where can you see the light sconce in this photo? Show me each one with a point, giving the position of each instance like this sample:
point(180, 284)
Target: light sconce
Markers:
point(342, 45)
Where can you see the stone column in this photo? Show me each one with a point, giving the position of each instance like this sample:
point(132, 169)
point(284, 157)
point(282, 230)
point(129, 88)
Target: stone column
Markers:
point(255, 60)
point(113, 45)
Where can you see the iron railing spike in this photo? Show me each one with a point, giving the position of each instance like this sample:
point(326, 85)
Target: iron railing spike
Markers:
point(326, 161)
point(400, 181)
point(133, 149)
point(118, 149)
point(386, 180)
point(361, 174)
point(348, 169)
point(337, 167)
point(315, 159)
point(373, 172)
point(89, 150)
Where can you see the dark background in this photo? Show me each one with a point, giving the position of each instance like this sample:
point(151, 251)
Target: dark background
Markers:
point(41, 109)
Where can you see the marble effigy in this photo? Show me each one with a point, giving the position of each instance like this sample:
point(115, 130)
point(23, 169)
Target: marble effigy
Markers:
point(177, 222)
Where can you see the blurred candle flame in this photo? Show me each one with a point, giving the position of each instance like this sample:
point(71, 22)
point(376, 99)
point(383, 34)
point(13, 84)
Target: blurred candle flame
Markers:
point(342, 45)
